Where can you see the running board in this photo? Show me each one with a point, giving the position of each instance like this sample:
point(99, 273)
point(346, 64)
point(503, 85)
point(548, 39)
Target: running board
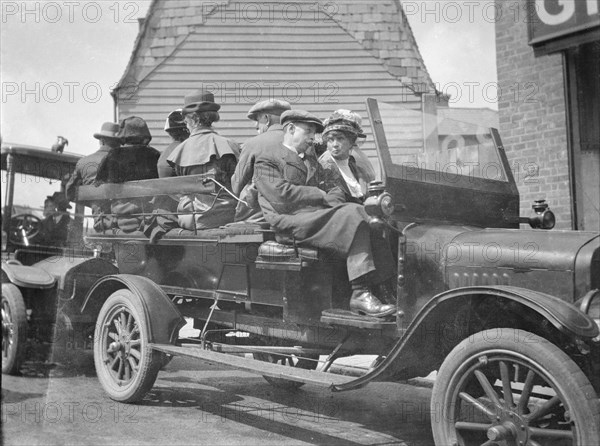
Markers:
point(260, 367)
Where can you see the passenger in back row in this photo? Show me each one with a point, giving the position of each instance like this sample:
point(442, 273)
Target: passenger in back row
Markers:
point(134, 160)
point(204, 152)
point(266, 114)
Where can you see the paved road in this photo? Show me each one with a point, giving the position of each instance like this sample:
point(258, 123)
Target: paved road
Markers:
point(198, 403)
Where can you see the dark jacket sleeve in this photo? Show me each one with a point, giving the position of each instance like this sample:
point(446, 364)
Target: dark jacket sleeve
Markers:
point(243, 171)
point(284, 196)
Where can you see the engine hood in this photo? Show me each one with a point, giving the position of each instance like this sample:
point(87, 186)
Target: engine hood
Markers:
point(554, 262)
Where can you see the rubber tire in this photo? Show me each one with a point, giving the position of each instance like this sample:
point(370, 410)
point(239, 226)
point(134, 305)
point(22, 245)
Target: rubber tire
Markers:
point(149, 362)
point(282, 383)
point(13, 299)
point(574, 387)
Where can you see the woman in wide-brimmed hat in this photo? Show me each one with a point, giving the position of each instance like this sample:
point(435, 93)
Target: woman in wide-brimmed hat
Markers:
point(204, 152)
point(339, 161)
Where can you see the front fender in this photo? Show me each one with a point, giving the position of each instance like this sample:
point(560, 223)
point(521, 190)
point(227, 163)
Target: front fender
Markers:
point(26, 276)
point(162, 318)
point(426, 334)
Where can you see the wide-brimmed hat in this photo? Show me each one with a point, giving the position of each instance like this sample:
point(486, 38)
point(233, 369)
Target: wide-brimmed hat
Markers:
point(270, 106)
point(198, 101)
point(344, 121)
point(134, 130)
point(175, 121)
point(60, 199)
point(301, 116)
point(108, 130)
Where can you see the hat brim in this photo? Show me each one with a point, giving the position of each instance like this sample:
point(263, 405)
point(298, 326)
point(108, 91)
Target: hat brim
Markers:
point(200, 107)
point(343, 128)
point(317, 124)
point(277, 111)
point(102, 135)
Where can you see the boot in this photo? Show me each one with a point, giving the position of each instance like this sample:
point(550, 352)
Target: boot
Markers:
point(386, 291)
point(363, 302)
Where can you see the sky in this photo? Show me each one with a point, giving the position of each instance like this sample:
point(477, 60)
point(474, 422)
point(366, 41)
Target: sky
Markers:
point(59, 60)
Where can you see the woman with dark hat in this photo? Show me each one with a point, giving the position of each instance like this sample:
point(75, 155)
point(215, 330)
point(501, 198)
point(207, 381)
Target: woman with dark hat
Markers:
point(134, 160)
point(342, 169)
point(178, 131)
point(204, 152)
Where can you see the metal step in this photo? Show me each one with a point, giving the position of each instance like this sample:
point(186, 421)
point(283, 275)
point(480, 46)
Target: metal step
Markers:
point(260, 367)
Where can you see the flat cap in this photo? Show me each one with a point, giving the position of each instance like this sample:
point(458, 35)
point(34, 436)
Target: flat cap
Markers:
point(270, 106)
point(301, 116)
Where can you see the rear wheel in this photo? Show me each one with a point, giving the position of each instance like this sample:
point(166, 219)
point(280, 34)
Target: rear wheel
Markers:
point(14, 329)
point(510, 387)
point(125, 363)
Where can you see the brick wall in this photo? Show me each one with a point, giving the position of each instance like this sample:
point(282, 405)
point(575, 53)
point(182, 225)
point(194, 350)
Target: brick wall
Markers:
point(532, 112)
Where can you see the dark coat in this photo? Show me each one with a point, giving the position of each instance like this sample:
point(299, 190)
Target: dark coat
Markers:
point(166, 170)
point(128, 163)
point(85, 174)
point(299, 210)
point(332, 177)
point(241, 181)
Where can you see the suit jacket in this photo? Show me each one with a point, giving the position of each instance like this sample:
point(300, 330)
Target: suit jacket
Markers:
point(85, 171)
point(300, 211)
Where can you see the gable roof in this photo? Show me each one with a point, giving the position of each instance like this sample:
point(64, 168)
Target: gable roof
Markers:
point(306, 59)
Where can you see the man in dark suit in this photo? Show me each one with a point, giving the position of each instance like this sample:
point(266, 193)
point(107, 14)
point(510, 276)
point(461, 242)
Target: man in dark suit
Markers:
point(87, 167)
point(297, 209)
point(266, 114)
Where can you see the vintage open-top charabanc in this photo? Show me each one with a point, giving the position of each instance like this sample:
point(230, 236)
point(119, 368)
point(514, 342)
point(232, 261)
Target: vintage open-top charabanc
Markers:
point(507, 316)
point(41, 275)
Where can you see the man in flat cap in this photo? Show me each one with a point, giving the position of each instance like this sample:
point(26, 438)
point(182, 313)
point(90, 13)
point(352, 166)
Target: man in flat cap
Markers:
point(266, 114)
point(298, 210)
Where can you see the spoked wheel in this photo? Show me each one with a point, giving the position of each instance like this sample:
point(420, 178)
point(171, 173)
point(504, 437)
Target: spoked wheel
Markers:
point(308, 363)
point(14, 329)
point(125, 364)
point(508, 387)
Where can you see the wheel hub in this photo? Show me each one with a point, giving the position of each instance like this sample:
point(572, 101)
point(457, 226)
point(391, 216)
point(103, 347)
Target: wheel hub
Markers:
point(511, 428)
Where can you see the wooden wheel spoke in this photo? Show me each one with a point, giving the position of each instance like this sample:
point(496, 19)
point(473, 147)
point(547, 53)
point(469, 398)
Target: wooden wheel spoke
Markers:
point(135, 342)
point(127, 370)
point(113, 362)
point(550, 433)
point(135, 353)
point(506, 385)
point(478, 404)
point(526, 393)
point(132, 364)
point(533, 443)
point(121, 369)
point(113, 336)
point(468, 426)
point(117, 325)
point(487, 387)
point(545, 409)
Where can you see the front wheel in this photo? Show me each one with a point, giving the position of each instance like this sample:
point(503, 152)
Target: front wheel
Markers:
point(14, 329)
point(125, 363)
point(510, 387)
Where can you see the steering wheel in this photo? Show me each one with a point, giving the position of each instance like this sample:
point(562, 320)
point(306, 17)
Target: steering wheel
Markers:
point(24, 227)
